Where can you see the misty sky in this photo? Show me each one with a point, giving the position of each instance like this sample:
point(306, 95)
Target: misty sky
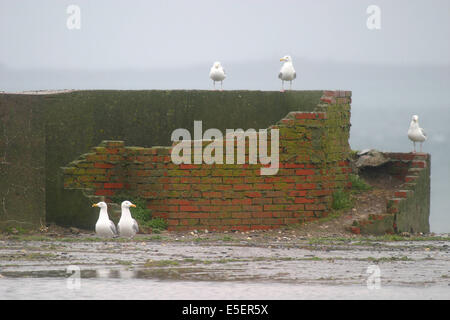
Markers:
point(148, 34)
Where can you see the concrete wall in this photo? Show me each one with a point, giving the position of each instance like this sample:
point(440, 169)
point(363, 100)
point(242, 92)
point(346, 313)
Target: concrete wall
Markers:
point(22, 163)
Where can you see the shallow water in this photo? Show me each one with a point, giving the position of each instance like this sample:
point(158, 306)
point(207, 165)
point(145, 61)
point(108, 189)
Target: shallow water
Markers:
point(188, 270)
point(51, 288)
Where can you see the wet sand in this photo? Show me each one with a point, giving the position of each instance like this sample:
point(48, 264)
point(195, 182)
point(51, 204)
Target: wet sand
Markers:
point(223, 266)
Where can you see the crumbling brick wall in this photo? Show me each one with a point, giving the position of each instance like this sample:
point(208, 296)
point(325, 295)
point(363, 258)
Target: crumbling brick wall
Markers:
point(313, 149)
point(409, 209)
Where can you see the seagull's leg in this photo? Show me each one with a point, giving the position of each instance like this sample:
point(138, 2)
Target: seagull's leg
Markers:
point(282, 85)
point(214, 85)
point(414, 147)
point(421, 147)
point(221, 85)
point(290, 85)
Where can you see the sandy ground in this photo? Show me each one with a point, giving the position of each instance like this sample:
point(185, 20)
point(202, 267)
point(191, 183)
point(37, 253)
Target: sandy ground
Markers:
point(277, 262)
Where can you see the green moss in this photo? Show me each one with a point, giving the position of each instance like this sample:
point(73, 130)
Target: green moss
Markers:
point(157, 224)
point(341, 200)
point(388, 259)
point(142, 215)
point(160, 263)
point(227, 238)
point(358, 184)
point(124, 262)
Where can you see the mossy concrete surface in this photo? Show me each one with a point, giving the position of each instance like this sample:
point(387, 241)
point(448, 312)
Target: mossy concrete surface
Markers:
point(41, 133)
point(22, 162)
point(413, 214)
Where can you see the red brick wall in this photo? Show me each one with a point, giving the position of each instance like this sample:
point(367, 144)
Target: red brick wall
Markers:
point(313, 149)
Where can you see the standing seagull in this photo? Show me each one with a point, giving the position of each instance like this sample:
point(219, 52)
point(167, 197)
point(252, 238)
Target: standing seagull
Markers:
point(287, 72)
point(127, 226)
point(416, 133)
point(104, 227)
point(217, 73)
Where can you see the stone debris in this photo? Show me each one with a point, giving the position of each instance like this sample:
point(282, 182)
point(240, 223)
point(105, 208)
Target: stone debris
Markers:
point(371, 158)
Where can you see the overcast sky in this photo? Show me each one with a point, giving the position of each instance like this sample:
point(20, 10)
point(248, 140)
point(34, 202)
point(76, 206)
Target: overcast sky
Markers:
point(117, 34)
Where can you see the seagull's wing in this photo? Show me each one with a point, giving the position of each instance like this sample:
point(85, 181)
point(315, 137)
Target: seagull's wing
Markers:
point(423, 132)
point(112, 226)
point(135, 226)
point(280, 75)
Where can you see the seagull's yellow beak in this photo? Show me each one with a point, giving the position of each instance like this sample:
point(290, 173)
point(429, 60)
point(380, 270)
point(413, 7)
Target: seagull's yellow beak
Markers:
point(94, 205)
point(133, 205)
point(282, 59)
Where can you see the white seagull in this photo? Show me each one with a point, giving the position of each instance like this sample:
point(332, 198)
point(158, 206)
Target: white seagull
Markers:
point(416, 133)
point(287, 72)
point(104, 227)
point(127, 226)
point(217, 73)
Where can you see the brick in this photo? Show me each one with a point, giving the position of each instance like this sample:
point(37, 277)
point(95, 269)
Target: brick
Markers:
point(242, 187)
point(304, 200)
point(418, 164)
point(315, 207)
point(261, 227)
point(266, 214)
point(281, 214)
point(189, 208)
point(297, 193)
point(301, 186)
point(306, 115)
point(242, 201)
point(263, 186)
point(273, 207)
point(253, 194)
point(212, 194)
point(252, 208)
point(241, 215)
point(295, 207)
point(103, 165)
point(355, 230)
point(261, 201)
point(103, 192)
point(113, 185)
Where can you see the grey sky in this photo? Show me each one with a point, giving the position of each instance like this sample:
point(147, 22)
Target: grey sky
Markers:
point(148, 34)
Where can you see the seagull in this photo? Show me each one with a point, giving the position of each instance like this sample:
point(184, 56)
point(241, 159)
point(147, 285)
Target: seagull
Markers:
point(416, 133)
point(217, 73)
point(287, 72)
point(127, 226)
point(104, 227)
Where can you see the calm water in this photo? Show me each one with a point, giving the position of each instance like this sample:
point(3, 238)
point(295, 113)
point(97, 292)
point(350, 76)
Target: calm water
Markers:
point(49, 288)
